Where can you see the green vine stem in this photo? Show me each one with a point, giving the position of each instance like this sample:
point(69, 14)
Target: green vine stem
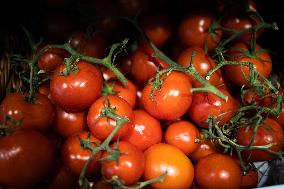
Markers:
point(107, 61)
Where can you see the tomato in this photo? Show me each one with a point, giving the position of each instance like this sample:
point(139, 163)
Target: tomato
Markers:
point(146, 131)
point(205, 104)
point(250, 180)
point(51, 59)
point(26, 158)
point(238, 74)
point(31, 115)
point(171, 101)
point(145, 66)
point(240, 22)
point(69, 123)
point(63, 179)
point(126, 93)
point(218, 171)
point(157, 28)
point(101, 127)
point(270, 132)
point(131, 8)
point(94, 46)
point(74, 156)
point(205, 148)
point(76, 39)
point(194, 30)
point(130, 166)
point(201, 62)
point(67, 91)
point(165, 158)
point(182, 134)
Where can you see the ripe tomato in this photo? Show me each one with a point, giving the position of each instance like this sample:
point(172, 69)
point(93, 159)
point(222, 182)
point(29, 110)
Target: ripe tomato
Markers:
point(250, 180)
point(165, 158)
point(171, 101)
point(26, 158)
point(35, 115)
point(270, 132)
point(67, 91)
point(201, 62)
point(146, 131)
point(126, 93)
point(76, 39)
point(218, 171)
point(69, 123)
point(101, 127)
point(51, 59)
point(205, 104)
point(74, 156)
point(158, 28)
point(145, 66)
point(130, 166)
point(238, 74)
point(182, 134)
point(205, 148)
point(194, 30)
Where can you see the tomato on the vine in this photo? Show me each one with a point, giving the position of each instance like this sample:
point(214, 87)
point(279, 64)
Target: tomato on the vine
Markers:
point(171, 100)
point(67, 90)
point(130, 164)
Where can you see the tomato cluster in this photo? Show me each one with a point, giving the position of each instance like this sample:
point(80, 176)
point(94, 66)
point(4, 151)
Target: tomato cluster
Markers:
point(189, 106)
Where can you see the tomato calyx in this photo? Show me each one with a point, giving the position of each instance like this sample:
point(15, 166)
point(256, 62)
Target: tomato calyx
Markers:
point(108, 89)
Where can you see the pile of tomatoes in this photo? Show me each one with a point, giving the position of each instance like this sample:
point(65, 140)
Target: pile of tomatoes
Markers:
point(158, 116)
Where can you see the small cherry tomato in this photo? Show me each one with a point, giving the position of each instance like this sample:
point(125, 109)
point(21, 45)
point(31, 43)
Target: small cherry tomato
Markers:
point(167, 159)
point(183, 135)
point(76, 91)
point(173, 98)
point(218, 171)
point(74, 156)
point(15, 109)
point(270, 132)
point(146, 131)
point(129, 167)
point(101, 126)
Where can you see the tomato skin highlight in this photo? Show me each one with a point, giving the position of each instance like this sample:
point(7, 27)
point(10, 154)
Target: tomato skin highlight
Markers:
point(172, 100)
point(130, 165)
point(218, 171)
point(37, 115)
point(103, 126)
point(267, 133)
point(67, 91)
point(146, 132)
point(164, 158)
point(21, 163)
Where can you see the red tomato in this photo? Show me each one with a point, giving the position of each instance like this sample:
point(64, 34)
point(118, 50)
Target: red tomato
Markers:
point(76, 39)
point(51, 59)
point(130, 166)
point(145, 66)
point(218, 171)
point(78, 90)
point(182, 134)
point(101, 127)
point(240, 22)
point(94, 46)
point(235, 73)
point(250, 180)
point(63, 179)
point(205, 148)
point(165, 158)
point(146, 131)
point(35, 115)
point(74, 156)
point(194, 30)
point(69, 123)
point(126, 93)
point(205, 104)
point(26, 158)
point(158, 28)
point(270, 132)
point(172, 100)
point(201, 62)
